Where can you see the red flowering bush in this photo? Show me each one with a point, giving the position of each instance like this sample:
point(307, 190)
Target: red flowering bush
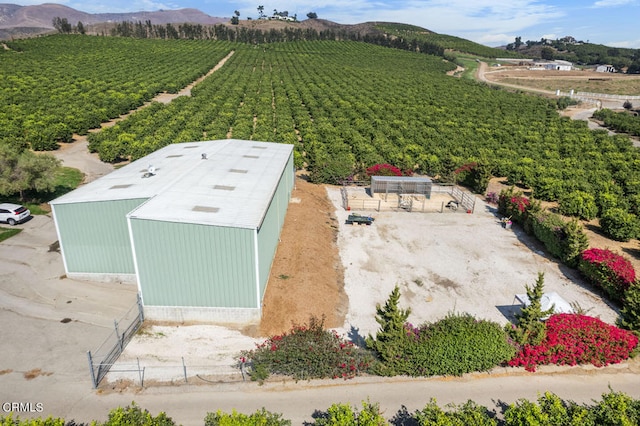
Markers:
point(307, 352)
point(577, 339)
point(607, 270)
point(513, 204)
point(383, 170)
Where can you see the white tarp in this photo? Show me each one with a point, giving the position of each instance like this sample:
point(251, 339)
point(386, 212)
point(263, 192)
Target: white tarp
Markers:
point(560, 305)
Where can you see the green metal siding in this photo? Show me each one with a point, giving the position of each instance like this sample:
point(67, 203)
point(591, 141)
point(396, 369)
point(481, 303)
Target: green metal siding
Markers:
point(95, 236)
point(269, 232)
point(181, 264)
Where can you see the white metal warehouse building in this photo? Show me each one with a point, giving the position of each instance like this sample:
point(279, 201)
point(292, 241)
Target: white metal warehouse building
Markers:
point(198, 234)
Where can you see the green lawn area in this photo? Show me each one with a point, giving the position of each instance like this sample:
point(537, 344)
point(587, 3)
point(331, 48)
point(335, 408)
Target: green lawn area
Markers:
point(66, 179)
point(6, 233)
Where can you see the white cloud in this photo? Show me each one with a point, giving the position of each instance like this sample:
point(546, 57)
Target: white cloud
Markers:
point(612, 3)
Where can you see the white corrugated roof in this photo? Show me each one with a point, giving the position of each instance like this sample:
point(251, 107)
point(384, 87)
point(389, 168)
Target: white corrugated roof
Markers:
point(231, 187)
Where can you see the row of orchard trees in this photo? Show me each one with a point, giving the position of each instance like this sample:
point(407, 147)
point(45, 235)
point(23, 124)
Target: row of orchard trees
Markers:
point(344, 105)
point(53, 87)
point(613, 408)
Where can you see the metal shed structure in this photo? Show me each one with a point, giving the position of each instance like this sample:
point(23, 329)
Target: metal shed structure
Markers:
point(401, 185)
point(195, 225)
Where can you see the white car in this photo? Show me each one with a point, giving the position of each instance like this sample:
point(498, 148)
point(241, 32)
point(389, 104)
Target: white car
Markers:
point(13, 213)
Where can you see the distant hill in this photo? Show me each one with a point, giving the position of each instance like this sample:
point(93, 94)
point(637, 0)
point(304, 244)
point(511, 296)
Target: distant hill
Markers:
point(25, 21)
point(21, 21)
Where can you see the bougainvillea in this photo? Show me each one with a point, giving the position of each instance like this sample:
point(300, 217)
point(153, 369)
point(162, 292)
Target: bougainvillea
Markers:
point(307, 352)
point(513, 204)
point(607, 270)
point(577, 339)
point(383, 170)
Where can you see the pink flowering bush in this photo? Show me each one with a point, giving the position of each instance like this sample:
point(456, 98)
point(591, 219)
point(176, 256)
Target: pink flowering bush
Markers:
point(307, 352)
point(607, 270)
point(513, 204)
point(383, 170)
point(577, 339)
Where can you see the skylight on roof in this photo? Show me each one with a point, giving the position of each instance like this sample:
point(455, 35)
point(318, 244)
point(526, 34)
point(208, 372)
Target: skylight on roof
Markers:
point(224, 187)
point(205, 209)
point(121, 186)
point(174, 156)
point(250, 156)
point(238, 171)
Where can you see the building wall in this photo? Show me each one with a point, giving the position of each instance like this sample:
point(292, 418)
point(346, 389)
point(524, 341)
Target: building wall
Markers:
point(182, 264)
point(269, 231)
point(94, 236)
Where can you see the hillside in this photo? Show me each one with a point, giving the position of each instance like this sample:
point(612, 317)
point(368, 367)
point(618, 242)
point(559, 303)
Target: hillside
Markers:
point(20, 21)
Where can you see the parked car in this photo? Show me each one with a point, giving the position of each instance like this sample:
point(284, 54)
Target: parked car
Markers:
point(13, 213)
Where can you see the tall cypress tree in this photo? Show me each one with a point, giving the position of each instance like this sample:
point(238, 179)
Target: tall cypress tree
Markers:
point(390, 338)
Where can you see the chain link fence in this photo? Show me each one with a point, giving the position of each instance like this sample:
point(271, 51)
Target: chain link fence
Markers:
point(103, 358)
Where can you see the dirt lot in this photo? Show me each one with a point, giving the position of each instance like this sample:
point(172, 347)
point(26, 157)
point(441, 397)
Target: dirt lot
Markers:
point(550, 80)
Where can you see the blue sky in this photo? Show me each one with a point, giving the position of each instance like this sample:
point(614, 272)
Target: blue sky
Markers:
point(489, 22)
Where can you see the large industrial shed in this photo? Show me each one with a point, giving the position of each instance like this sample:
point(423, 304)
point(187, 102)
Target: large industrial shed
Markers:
point(195, 225)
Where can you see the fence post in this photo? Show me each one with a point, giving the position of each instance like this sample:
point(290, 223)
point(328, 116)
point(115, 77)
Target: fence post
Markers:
point(140, 308)
point(139, 371)
point(93, 374)
point(120, 339)
point(184, 369)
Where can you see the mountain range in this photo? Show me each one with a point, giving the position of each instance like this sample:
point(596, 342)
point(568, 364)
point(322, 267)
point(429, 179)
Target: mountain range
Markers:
point(21, 21)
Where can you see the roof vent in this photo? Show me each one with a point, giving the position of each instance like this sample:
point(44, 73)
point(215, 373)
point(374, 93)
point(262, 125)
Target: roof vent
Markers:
point(151, 171)
point(204, 155)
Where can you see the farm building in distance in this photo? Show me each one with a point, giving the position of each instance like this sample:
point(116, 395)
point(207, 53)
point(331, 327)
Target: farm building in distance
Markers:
point(195, 225)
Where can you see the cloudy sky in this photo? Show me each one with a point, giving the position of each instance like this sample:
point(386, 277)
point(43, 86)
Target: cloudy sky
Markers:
point(489, 22)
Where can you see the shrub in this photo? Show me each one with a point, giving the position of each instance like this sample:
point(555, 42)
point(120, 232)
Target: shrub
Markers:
point(49, 421)
point(513, 204)
point(307, 352)
point(564, 240)
point(607, 270)
point(134, 416)
point(619, 224)
point(630, 313)
point(578, 203)
point(345, 415)
point(383, 170)
point(467, 414)
point(261, 417)
point(549, 410)
point(577, 339)
point(455, 345)
point(616, 408)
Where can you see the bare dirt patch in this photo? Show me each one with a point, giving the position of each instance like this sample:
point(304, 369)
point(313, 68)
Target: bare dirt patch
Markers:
point(36, 372)
point(552, 80)
point(306, 276)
